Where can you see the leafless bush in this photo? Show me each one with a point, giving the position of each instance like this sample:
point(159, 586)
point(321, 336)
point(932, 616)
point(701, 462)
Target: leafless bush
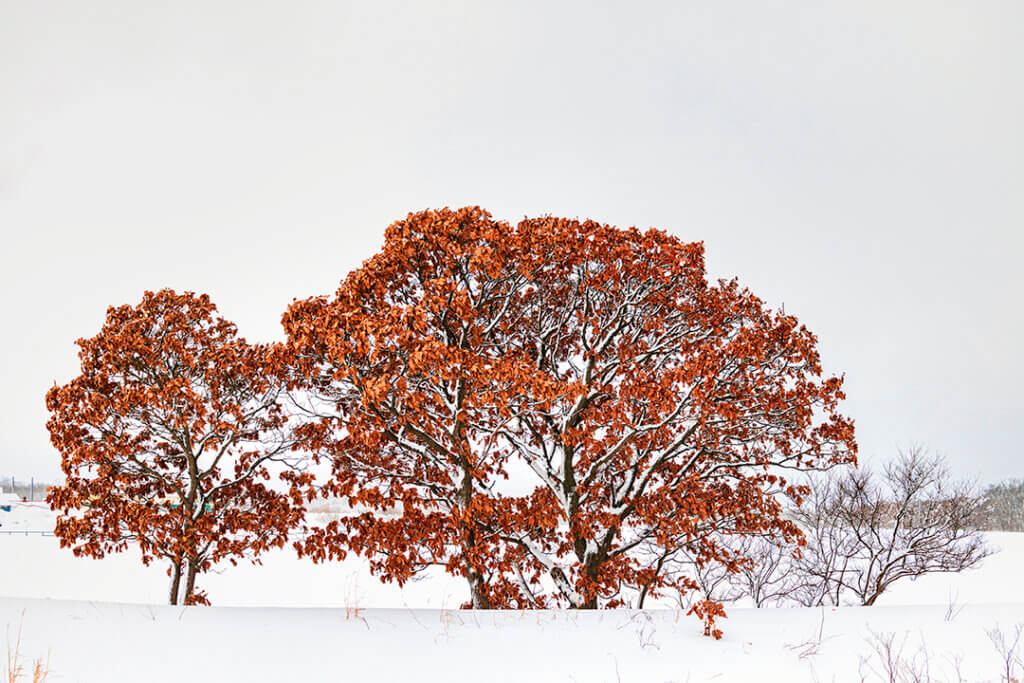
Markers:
point(889, 655)
point(767, 572)
point(894, 664)
point(710, 580)
point(866, 531)
point(891, 660)
point(863, 532)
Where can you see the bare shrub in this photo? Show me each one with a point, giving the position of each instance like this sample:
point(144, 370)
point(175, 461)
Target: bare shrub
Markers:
point(866, 531)
point(710, 581)
point(862, 531)
point(765, 570)
point(891, 662)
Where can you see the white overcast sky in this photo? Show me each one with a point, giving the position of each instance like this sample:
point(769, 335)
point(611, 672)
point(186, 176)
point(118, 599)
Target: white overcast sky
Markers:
point(860, 162)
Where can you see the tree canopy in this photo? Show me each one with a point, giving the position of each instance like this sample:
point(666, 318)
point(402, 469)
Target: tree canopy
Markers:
point(166, 441)
point(642, 403)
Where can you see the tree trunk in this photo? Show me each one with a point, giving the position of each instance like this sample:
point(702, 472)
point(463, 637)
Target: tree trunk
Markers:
point(175, 581)
point(591, 569)
point(477, 591)
point(879, 589)
point(190, 582)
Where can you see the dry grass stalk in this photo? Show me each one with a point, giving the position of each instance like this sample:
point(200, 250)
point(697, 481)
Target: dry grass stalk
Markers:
point(40, 670)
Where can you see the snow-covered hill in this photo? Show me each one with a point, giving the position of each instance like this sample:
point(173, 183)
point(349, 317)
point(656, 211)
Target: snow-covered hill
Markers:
point(292, 620)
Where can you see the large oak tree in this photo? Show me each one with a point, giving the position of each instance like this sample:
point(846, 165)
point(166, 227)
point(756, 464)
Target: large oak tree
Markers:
point(646, 405)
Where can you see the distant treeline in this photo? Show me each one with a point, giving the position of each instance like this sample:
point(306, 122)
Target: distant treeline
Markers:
point(1004, 506)
point(31, 489)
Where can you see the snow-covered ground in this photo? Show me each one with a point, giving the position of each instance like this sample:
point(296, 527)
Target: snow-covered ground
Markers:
point(291, 620)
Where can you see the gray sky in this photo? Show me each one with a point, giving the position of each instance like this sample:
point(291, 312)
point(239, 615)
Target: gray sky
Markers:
point(862, 162)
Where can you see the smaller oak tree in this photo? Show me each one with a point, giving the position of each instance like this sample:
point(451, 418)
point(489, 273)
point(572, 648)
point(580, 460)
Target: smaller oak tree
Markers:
point(166, 440)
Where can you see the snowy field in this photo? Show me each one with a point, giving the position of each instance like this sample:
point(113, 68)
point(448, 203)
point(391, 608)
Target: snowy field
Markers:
point(102, 621)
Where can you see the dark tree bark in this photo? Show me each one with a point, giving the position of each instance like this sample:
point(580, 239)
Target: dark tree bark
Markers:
point(175, 581)
point(190, 581)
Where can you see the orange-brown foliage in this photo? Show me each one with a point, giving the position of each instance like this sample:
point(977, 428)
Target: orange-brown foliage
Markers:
point(648, 407)
point(165, 439)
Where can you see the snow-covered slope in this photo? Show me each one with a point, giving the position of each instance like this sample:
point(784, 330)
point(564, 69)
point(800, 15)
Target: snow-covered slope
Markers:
point(265, 626)
point(108, 643)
